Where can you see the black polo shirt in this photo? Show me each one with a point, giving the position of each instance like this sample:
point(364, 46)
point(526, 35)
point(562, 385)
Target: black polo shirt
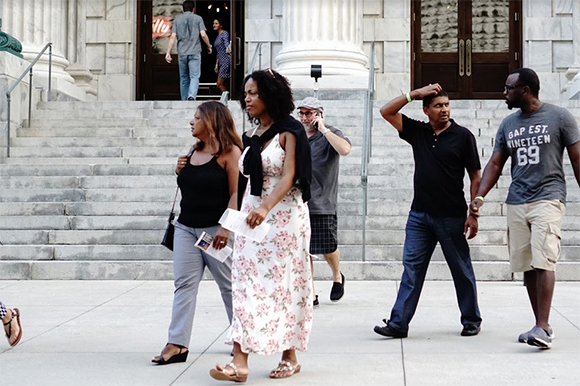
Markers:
point(440, 164)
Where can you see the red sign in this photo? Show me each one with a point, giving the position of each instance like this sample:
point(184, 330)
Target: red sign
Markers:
point(161, 27)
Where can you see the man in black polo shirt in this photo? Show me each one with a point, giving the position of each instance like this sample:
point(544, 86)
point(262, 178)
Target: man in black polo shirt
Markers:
point(442, 150)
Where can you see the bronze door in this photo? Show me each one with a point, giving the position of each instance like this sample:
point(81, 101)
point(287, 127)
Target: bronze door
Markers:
point(467, 46)
point(159, 80)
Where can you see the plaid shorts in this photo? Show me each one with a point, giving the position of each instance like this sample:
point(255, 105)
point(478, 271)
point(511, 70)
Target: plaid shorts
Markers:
point(324, 237)
point(3, 310)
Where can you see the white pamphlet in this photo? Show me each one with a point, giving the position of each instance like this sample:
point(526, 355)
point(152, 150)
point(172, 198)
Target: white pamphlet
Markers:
point(235, 221)
point(205, 242)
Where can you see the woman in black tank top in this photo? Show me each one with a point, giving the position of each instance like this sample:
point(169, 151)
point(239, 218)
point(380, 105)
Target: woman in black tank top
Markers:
point(208, 180)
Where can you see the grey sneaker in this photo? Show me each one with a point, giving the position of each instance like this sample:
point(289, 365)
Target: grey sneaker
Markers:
point(539, 337)
point(523, 338)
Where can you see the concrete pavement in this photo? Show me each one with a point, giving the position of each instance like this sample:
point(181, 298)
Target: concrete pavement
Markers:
point(105, 333)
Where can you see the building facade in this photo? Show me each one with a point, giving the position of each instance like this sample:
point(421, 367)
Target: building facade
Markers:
point(112, 49)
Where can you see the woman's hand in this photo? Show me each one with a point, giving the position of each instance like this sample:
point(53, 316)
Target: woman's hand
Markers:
point(220, 239)
point(181, 161)
point(256, 217)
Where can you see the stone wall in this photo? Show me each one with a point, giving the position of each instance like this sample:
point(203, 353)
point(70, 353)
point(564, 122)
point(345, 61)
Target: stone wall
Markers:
point(110, 47)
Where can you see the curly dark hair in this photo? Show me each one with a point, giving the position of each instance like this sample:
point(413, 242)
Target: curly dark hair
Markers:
point(274, 90)
point(219, 123)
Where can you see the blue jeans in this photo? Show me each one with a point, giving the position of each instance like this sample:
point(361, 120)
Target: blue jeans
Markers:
point(189, 72)
point(421, 236)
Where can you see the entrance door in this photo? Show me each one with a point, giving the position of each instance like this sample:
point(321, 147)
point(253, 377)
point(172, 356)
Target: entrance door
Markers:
point(159, 80)
point(467, 46)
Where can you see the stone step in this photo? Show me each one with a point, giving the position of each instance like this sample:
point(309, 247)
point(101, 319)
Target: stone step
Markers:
point(163, 270)
point(379, 253)
point(100, 132)
point(479, 253)
point(85, 170)
point(97, 152)
point(83, 222)
point(81, 237)
point(74, 124)
point(91, 161)
point(87, 112)
point(85, 252)
point(161, 208)
point(84, 142)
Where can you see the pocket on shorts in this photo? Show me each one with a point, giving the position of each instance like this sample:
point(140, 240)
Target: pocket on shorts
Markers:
point(552, 243)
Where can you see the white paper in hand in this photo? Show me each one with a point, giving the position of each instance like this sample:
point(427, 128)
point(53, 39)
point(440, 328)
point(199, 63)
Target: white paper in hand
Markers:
point(235, 221)
point(205, 242)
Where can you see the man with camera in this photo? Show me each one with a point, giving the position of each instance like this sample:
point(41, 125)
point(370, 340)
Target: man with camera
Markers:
point(327, 144)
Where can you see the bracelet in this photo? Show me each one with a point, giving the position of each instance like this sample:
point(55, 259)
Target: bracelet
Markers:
point(325, 132)
point(479, 198)
point(409, 100)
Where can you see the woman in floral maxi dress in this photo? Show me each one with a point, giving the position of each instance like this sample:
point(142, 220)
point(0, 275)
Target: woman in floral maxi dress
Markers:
point(271, 279)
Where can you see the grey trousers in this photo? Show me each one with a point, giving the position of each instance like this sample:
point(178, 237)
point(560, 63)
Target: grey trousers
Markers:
point(189, 263)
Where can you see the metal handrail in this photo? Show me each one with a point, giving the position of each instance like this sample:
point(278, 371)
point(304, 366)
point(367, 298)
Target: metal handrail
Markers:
point(29, 70)
point(257, 53)
point(367, 143)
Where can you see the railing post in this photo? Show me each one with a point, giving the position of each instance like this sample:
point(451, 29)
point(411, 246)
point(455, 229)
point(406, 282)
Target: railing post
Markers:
point(8, 126)
point(48, 95)
point(30, 98)
point(366, 146)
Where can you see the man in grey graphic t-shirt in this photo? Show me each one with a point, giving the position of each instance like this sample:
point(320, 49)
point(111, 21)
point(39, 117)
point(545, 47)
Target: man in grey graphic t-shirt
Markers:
point(187, 29)
point(535, 138)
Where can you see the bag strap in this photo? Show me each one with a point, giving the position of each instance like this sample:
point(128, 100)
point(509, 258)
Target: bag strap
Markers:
point(172, 214)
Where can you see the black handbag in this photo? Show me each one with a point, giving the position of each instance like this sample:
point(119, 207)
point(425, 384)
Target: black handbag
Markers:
point(167, 240)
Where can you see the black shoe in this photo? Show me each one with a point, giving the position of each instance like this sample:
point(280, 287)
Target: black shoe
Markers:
point(390, 332)
point(337, 290)
point(177, 358)
point(315, 303)
point(190, 99)
point(470, 330)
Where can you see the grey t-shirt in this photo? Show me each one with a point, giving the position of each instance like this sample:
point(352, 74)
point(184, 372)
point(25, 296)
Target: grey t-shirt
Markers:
point(536, 144)
point(325, 163)
point(187, 28)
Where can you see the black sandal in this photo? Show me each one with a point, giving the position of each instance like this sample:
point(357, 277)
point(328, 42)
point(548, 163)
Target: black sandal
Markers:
point(177, 358)
point(15, 314)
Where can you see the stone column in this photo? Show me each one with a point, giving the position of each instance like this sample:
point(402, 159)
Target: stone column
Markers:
point(76, 44)
point(36, 23)
point(325, 32)
point(572, 88)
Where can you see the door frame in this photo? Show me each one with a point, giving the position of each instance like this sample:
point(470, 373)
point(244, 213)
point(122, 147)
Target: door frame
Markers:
point(464, 31)
point(144, 38)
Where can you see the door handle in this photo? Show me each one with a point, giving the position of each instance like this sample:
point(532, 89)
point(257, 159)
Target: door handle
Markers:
point(461, 57)
point(468, 57)
point(238, 51)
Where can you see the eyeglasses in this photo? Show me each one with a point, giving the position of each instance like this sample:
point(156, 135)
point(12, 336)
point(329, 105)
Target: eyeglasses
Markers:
point(306, 113)
point(509, 87)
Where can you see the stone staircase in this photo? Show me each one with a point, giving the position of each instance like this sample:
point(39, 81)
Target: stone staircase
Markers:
point(88, 188)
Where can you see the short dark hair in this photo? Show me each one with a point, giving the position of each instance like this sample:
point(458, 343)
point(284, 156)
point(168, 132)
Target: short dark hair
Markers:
point(219, 20)
point(429, 98)
point(528, 77)
point(188, 6)
point(274, 90)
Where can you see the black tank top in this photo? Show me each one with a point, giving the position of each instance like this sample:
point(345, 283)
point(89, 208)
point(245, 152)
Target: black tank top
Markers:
point(204, 194)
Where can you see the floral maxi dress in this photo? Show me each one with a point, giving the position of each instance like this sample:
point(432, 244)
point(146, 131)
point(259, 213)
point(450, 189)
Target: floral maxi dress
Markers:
point(271, 280)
